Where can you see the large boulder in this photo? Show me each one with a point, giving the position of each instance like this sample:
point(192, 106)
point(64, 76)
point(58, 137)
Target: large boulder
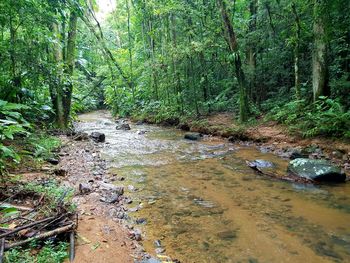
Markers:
point(193, 136)
point(316, 170)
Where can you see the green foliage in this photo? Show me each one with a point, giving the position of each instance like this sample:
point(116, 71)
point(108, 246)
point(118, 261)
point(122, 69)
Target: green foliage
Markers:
point(7, 211)
point(43, 145)
point(325, 117)
point(11, 124)
point(53, 192)
point(49, 253)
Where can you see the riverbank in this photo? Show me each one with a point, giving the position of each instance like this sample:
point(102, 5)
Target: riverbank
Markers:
point(78, 169)
point(101, 234)
point(268, 136)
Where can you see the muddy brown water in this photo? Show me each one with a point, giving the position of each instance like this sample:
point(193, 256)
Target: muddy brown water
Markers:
point(204, 205)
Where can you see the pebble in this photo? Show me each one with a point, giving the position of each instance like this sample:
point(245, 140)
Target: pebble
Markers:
point(160, 250)
point(141, 221)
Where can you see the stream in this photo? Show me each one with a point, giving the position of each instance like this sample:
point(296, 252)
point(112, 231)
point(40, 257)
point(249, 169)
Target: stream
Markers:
point(201, 203)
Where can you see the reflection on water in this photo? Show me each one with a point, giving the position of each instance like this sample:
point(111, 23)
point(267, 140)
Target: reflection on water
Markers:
point(204, 205)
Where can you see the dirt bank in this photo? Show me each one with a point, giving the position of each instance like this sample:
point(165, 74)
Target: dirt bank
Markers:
point(101, 235)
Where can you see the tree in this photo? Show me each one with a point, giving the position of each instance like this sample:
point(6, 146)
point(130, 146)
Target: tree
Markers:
point(297, 40)
point(233, 46)
point(62, 87)
point(320, 74)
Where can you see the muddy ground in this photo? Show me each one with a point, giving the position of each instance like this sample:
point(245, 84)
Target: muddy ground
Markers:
point(102, 234)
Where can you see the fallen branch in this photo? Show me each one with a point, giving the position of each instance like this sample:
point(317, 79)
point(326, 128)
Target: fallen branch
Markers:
point(51, 222)
point(72, 246)
point(2, 249)
point(289, 178)
point(26, 226)
point(21, 216)
point(41, 236)
point(18, 207)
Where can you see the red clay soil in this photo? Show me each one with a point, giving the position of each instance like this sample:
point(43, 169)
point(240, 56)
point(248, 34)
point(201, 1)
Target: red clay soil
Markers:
point(101, 236)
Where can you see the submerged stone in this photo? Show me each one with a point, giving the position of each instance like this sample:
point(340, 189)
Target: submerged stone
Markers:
point(262, 164)
point(316, 170)
point(149, 260)
point(193, 136)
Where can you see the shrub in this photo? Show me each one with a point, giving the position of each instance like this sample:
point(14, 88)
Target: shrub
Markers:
point(325, 117)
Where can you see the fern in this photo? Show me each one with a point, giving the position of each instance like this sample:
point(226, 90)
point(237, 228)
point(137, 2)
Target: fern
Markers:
point(325, 117)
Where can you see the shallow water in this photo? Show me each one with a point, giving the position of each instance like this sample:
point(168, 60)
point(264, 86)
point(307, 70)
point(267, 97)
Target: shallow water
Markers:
point(205, 205)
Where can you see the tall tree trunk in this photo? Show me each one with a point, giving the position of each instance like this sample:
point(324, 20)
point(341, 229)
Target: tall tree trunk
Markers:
point(69, 68)
point(56, 90)
point(176, 72)
point(296, 52)
point(320, 76)
point(233, 46)
point(16, 78)
point(130, 51)
point(61, 91)
point(253, 7)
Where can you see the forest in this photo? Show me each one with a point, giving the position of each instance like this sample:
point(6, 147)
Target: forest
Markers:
point(170, 62)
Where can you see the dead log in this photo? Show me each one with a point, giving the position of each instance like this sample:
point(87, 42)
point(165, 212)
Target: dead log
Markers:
point(45, 235)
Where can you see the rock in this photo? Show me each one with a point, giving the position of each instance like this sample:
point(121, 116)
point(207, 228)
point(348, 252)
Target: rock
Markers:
point(127, 201)
point(135, 235)
point(184, 127)
point(132, 188)
point(60, 172)
point(193, 136)
point(298, 154)
point(316, 170)
point(98, 137)
point(159, 250)
point(111, 187)
point(149, 260)
point(139, 123)
point(123, 126)
point(141, 221)
point(141, 132)
point(53, 161)
point(158, 243)
point(81, 136)
point(262, 164)
point(85, 188)
point(111, 199)
point(120, 215)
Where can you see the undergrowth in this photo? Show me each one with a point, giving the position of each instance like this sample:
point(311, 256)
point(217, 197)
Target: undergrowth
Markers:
point(49, 253)
point(325, 117)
